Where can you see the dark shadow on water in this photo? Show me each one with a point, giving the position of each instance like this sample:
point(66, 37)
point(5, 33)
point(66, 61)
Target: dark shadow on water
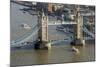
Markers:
point(22, 47)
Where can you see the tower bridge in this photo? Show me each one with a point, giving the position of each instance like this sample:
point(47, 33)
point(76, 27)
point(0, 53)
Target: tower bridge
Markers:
point(42, 29)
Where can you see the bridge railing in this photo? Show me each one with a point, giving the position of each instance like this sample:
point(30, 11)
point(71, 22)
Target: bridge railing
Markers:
point(27, 36)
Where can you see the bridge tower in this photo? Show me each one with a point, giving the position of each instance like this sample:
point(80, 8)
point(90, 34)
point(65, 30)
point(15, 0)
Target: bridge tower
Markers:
point(78, 39)
point(43, 32)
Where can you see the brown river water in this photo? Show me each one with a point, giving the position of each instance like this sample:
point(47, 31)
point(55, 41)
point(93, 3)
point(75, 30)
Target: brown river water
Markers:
point(57, 54)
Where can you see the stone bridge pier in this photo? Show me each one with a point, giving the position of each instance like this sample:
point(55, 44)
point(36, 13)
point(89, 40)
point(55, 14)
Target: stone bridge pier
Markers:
point(78, 33)
point(42, 42)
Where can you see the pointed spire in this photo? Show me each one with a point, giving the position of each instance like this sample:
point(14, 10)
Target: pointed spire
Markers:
point(43, 14)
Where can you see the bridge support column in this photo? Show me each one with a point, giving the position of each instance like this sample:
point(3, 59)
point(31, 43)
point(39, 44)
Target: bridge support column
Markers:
point(78, 37)
point(78, 42)
point(43, 33)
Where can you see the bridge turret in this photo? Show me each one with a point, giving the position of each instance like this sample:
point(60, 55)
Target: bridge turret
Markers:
point(78, 39)
point(43, 31)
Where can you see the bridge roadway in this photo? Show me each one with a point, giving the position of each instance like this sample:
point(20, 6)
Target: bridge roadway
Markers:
point(88, 14)
point(88, 32)
point(60, 23)
point(26, 37)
